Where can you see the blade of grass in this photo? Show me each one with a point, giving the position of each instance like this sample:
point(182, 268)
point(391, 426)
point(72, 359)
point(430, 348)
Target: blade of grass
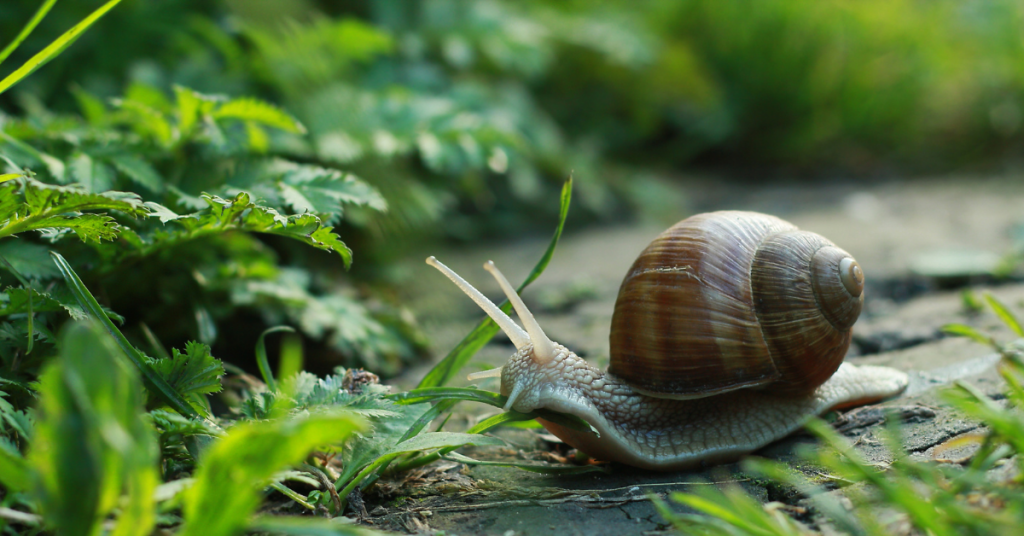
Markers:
point(56, 47)
point(261, 356)
point(154, 382)
point(432, 394)
point(963, 330)
point(434, 440)
point(9, 176)
point(447, 368)
point(26, 30)
point(1004, 314)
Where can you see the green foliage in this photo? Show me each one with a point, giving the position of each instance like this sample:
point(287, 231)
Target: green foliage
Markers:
point(90, 442)
point(29, 205)
point(232, 471)
point(192, 374)
point(51, 51)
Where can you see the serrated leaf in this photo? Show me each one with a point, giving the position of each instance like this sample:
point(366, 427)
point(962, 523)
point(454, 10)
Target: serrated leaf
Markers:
point(94, 176)
point(191, 374)
point(27, 205)
point(169, 422)
point(139, 171)
point(321, 190)
point(16, 300)
point(88, 227)
point(147, 121)
point(164, 214)
point(30, 260)
point(255, 110)
point(191, 106)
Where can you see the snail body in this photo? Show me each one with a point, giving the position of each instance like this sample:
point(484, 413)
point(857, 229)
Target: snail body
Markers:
point(729, 333)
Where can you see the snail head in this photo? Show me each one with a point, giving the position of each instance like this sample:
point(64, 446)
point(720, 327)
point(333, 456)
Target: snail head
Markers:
point(532, 341)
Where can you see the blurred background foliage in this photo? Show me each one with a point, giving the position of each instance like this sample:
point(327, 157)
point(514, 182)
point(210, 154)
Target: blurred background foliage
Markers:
point(460, 119)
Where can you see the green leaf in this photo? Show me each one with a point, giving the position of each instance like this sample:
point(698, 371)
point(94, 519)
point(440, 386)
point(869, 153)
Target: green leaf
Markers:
point(94, 176)
point(31, 260)
point(15, 473)
point(239, 213)
point(168, 422)
point(18, 300)
point(255, 110)
point(191, 374)
point(322, 191)
point(56, 47)
point(27, 29)
point(91, 443)
point(963, 330)
point(192, 105)
point(139, 171)
point(432, 394)
point(154, 381)
point(446, 441)
point(94, 110)
point(234, 469)
point(29, 205)
point(447, 368)
point(261, 355)
point(1004, 314)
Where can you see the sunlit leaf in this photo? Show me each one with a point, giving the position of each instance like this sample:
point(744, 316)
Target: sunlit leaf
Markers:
point(245, 459)
point(56, 47)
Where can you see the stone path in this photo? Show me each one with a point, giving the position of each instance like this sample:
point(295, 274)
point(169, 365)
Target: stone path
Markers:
point(886, 227)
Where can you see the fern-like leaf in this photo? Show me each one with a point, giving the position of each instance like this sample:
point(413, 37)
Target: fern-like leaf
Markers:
point(192, 374)
point(257, 111)
point(29, 205)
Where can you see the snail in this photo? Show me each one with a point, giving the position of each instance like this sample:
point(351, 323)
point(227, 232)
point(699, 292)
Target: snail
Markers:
point(729, 332)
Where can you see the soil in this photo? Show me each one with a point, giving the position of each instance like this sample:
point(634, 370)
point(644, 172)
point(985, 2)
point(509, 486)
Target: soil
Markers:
point(888, 227)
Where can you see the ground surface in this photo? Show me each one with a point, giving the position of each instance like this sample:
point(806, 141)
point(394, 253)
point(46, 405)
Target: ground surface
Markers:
point(887, 227)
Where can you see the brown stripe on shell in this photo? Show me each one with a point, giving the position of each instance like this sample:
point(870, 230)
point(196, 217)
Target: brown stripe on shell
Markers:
point(806, 347)
point(684, 324)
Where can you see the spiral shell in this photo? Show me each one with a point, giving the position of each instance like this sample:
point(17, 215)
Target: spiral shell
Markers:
point(728, 300)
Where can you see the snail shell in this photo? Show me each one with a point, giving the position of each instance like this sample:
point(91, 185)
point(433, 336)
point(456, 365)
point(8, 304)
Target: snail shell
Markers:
point(730, 300)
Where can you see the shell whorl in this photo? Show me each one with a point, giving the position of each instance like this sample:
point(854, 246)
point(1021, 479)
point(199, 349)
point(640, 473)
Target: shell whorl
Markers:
point(728, 300)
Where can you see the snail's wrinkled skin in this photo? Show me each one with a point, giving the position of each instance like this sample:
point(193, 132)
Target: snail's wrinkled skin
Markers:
point(666, 434)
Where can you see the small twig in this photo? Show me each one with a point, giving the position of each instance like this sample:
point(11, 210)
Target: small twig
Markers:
point(326, 484)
